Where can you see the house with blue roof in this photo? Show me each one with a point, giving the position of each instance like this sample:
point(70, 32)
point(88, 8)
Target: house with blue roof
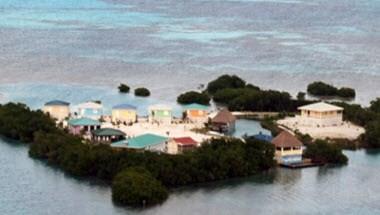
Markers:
point(124, 113)
point(83, 126)
point(57, 109)
point(93, 110)
point(148, 141)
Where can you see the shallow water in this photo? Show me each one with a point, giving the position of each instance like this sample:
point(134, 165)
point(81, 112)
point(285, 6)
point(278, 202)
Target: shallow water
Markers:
point(171, 46)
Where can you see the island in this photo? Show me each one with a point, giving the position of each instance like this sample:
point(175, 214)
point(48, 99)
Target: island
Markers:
point(144, 158)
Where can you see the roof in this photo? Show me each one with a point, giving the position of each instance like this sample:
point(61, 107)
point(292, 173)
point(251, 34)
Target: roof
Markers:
point(124, 107)
point(195, 106)
point(160, 107)
point(90, 105)
point(57, 103)
point(141, 142)
point(285, 139)
point(185, 141)
point(108, 132)
point(263, 137)
point(224, 116)
point(83, 122)
point(320, 107)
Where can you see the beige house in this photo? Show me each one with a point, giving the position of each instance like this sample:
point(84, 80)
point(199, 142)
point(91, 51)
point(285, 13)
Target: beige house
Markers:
point(59, 110)
point(180, 145)
point(124, 113)
point(320, 115)
point(288, 148)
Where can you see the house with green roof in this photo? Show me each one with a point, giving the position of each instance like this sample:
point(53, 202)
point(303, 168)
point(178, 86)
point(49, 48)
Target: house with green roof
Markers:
point(107, 135)
point(196, 113)
point(148, 141)
point(83, 125)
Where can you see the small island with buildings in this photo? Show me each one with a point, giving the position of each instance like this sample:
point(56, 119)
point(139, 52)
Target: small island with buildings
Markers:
point(175, 150)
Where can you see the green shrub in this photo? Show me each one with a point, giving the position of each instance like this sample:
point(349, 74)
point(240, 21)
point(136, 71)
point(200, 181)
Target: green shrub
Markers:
point(322, 151)
point(225, 81)
point(123, 88)
point(194, 97)
point(137, 187)
point(142, 92)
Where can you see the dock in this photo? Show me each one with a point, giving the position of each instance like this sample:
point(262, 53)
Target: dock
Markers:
point(305, 164)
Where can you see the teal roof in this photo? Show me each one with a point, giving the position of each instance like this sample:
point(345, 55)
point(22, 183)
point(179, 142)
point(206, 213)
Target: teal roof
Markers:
point(108, 132)
point(195, 106)
point(83, 122)
point(141, 142)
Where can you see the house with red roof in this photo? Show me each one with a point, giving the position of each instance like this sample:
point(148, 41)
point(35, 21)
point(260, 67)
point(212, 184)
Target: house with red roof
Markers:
point(180, 145)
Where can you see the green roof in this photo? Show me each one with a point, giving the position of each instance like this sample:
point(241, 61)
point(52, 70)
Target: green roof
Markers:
point(83, 122)
point(195, 106)
point(108, 132)
point(141, 142)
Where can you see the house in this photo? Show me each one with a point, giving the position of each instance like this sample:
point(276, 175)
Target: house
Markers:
point(148, 141)
point(59, 110)
point(180, 145)
point(320, 114)
point(124, 113)
point(107, 135)
point(160, 114)
point(223, 122)
point(263, 137)
point(93, 110)
point(288, 149)
point(196, 113)
point(83, 126)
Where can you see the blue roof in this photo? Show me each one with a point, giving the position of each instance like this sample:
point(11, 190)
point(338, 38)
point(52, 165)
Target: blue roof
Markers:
point(263, 137)
point(125, 106)
point(141, 142)
point(83, 122)
point(57, 102)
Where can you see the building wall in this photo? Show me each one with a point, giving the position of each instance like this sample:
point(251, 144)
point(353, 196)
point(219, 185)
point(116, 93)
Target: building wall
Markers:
point(93, 113)
point(172, 147)
point(57, 112)
point(127, 116)
point(159, 147)
point(199, 116)
point(293, 155)
point(160, 116)
point(321, 119)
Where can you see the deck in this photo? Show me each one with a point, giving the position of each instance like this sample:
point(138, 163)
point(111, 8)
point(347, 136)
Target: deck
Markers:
point(305, 164)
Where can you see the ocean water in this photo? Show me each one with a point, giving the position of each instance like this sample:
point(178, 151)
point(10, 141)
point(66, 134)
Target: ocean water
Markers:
point(172, 46)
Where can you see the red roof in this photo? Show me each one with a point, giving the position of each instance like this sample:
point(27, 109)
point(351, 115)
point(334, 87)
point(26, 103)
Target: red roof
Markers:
point(185, 141)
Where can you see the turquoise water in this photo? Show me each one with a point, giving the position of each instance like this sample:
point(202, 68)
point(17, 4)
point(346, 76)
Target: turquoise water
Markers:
point(29, 186)
point(172, 46)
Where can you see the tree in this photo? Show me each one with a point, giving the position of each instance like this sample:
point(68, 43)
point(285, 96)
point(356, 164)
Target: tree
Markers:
point(194, 97)
point(322, 151)
point(136, 187)
point(372, 134)
point(375, 105)
point(123, 88)
point(301, 96)
point(322, 89)
point(225, 81)
point(142, 92)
